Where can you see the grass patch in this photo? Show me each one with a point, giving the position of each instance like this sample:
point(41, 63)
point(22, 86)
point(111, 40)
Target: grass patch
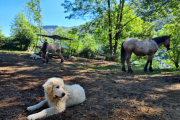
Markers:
point(104, 67)
point(78, 64)
point(14, 52)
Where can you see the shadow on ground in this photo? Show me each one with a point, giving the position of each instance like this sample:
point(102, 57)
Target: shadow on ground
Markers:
point(111, 94)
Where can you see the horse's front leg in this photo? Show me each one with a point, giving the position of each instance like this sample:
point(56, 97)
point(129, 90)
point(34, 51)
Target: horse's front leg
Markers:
point(47, 60)
point(145, 67)
point(150, 67)
point(43, 56)
point(128, 63)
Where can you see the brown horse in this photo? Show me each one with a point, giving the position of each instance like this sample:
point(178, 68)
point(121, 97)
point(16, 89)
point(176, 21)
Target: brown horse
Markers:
point(142, 48)
point(50, 48)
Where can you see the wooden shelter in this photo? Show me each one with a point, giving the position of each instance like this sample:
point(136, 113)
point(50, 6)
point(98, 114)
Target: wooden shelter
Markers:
point(54, 37)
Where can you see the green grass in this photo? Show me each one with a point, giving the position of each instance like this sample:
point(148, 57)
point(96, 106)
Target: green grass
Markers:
point(106, 67)
point(138, 69)
point(14, 52)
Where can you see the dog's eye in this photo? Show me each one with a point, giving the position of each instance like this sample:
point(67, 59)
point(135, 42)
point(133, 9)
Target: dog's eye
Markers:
point(57, 86)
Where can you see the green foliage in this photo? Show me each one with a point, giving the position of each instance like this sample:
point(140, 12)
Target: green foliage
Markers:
point(33, 11)
point(33, 14)
point(22, 31)
point(173, 29)
point(81, 43)
point(88, 42)
point(2, 37)
point(154, 9)
point(9, 43)
point(84, 8)
point(87, 46)
point(109, 17)
point(87, 53)
point(136, 28)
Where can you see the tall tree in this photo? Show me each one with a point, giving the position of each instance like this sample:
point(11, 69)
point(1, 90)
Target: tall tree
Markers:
point(22, 31)
point(97, 9)
point(33, 13)
point(110, 27)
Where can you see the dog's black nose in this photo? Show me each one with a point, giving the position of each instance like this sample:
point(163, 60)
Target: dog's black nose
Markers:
point(63, 94)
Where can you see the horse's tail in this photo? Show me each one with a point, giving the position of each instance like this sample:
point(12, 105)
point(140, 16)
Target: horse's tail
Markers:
point(123, 54)
point(44, 47)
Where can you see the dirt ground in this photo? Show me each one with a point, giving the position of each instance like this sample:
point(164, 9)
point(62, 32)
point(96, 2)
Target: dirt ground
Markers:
point(110, 93)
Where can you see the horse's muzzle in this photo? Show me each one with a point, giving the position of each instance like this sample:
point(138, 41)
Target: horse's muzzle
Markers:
point(168, 48)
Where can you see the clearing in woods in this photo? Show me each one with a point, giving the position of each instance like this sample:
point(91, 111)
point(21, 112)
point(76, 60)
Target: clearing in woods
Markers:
point(111, 94)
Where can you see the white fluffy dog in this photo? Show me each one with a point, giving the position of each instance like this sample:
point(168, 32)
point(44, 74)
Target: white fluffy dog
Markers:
point(58, 96)
point(34, 56)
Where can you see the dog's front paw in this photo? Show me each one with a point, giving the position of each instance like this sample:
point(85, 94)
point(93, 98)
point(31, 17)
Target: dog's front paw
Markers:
point(31, 108)
point(31, 117)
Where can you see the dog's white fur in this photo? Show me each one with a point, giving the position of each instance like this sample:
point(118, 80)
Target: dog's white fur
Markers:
point(58, 96)
point(34, 56)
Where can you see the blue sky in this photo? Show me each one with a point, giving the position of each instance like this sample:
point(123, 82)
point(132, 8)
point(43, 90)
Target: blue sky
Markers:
point(52, 12)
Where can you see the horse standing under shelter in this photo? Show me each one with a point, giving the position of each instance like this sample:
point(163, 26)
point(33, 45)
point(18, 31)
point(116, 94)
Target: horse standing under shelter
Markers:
point(142, 48)
point(50, 48)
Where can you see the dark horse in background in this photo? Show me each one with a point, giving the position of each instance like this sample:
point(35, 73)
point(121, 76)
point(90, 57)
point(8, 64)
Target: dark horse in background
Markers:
point(50, 48)
point(142, 48)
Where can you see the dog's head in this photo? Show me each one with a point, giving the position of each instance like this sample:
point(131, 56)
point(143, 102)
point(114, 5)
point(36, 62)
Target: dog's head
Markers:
point(54, 87)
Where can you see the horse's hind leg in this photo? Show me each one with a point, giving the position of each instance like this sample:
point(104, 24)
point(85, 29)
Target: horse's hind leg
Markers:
point(123, 67)
point(62, 58)
point(47, 60)
point(128, 63)
point(145, 67)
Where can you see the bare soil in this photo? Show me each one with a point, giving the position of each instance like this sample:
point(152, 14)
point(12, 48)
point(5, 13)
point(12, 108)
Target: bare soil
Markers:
point(111, 94)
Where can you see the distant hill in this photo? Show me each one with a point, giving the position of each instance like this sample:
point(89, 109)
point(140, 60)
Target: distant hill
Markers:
point(52, 28)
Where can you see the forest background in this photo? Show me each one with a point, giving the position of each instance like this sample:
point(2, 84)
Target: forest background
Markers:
point(111, 23)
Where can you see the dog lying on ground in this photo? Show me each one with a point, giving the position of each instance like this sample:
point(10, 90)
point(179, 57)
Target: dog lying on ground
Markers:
point(58, 96)
point(34, 56)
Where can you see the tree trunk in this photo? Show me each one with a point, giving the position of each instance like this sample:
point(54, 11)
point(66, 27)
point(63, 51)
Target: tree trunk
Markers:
point(21, 46)
point(110, 29)
point(176, 64)
point(118, 26)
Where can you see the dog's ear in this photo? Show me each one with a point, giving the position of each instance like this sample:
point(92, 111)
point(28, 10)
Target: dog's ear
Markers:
point(61, 82)
point(48, 87)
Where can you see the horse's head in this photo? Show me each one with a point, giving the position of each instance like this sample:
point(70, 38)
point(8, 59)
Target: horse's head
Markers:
point(167, 42)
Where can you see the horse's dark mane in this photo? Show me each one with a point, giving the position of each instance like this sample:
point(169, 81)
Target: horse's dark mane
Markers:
point(161, 39)
point(44, 47)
